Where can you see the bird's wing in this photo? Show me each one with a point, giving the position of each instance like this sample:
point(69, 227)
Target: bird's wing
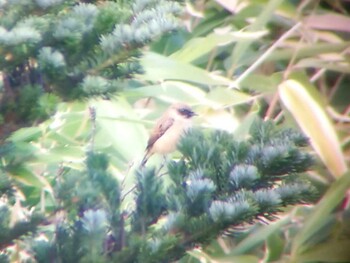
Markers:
point(161, 127)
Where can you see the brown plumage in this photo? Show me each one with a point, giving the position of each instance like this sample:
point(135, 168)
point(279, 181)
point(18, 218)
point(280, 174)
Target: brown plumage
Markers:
point(168, 130)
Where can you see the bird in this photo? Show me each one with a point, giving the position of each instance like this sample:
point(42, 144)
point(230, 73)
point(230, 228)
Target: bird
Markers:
point(174, 122)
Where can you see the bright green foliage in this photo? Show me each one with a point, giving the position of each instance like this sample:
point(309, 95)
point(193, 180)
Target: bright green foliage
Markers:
point(218, 185)
point(97, 210)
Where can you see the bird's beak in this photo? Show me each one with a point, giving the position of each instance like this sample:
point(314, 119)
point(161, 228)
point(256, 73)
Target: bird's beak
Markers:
point(194, 114)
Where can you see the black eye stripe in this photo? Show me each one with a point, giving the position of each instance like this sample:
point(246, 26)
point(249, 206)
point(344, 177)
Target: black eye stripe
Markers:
point(186, 112)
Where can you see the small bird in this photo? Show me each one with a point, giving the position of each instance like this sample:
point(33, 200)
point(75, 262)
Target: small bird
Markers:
point(175, 121)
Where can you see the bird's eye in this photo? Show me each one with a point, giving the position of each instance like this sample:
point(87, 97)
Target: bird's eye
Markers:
point(186, 112)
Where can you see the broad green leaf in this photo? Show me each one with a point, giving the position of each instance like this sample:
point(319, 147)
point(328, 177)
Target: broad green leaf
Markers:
point(74, 128)
point(67, 153)
point(159, 68)
point(332, 251)
point(305, 51)
point(228, 97)
point(170, 91)
point(53, 138)
point(26, 134)
point(72, 124)
point(261, 83)
point(115, 128)
point(320, 215)
point(19, 153)
point(340, 66)
point(203, 257)
point(211, 21)
point(173, 91)
point(274, 247)
point(259, 236)
point(197, 47)
point(27, 177)
point(301, 100)
point(75, 106)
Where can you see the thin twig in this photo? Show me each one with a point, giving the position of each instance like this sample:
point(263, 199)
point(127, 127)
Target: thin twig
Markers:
point(335, 87)
point(272, 106)
point(134, 187)
point(211, 59)
point(267, 53)
point(127, 193)
point(92, 112)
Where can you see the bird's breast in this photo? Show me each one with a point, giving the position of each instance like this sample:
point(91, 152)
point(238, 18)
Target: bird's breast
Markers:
point(168, 141)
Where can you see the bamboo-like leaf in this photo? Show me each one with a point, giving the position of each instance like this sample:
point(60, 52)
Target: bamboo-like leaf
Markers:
point(259, 236)
point(336, 65)
point(160, 68)
point(305, 51)
point(128, 137)
point(170, 91)
point(332, 251)
point(27, 177)
point(203, 257)
point(26, 134)
point(69, 154)
point(313, 120)
point(201, 46)
point(275, 245)
point(228, 97)
point(260, 22)
point(320, 215)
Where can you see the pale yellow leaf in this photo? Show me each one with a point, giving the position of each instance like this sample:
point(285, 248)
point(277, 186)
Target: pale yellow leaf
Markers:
point(313, 120)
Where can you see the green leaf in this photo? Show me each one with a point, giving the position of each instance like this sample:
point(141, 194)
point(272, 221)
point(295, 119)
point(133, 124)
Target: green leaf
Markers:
point(305, 51)
point(26, 176)
point(320, 215)
point(303, 101)
point(60, 154)
point(259, 236)
point(160, 68)
point(332, 251)
point(329, 64)
point(26, 134)
point(117, 128)
point(274, 247)
point(262, 83)
point(198, 47)
point(170, 91)
point(203, 257)
point(228, 97)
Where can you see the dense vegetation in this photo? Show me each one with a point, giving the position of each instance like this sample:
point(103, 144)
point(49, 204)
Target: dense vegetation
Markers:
point(83, 82)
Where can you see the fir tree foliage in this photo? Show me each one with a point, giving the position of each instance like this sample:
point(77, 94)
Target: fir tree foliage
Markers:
point(73, 49)
point(84, 40)
point(220, 185)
